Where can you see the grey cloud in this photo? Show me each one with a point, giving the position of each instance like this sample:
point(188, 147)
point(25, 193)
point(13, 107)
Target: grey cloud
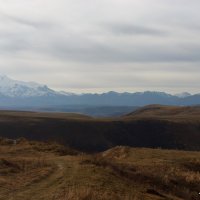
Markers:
point(125, 43)
point(76, 47)
point(27, 22)
point(131, 29)
point(87, 51)
point(14, 44)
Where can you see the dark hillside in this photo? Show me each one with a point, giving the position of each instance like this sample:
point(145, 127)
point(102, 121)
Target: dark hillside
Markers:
point(89, 134)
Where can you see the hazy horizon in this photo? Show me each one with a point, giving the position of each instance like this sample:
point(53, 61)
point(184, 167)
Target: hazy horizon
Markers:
point(91, 92)
point(100, 46)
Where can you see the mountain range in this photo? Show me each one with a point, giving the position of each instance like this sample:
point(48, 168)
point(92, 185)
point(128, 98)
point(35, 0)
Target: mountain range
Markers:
point(20, 94)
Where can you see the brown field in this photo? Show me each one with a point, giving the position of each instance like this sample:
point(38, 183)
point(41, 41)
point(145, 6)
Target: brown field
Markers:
point(48, 171)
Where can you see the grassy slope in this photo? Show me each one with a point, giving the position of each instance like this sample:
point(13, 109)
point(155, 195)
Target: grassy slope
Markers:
point(170, 113)
point(30, 172)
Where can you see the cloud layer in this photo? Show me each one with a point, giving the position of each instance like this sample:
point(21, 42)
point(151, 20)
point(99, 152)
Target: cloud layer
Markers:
point(101, 45)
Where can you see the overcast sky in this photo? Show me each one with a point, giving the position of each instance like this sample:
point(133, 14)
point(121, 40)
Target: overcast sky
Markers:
point(102, 45)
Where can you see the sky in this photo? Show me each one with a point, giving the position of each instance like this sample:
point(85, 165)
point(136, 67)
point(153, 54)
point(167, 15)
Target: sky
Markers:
point(102, 45)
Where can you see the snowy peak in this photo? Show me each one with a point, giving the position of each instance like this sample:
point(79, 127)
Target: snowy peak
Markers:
point(183, 95)
point(7, 82)
point(14, 88)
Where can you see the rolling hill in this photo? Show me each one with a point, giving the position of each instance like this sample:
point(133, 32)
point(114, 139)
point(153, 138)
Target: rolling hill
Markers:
point(166, 112)
point(152, 126)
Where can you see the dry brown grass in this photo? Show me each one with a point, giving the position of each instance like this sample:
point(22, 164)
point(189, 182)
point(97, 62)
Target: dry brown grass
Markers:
point(87, 193)
point(36, 171)
point(171, 113)
point(178, 175)
point(25, 163)
point(18, 173)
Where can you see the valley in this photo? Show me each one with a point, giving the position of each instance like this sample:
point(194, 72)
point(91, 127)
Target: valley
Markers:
point(155, 126)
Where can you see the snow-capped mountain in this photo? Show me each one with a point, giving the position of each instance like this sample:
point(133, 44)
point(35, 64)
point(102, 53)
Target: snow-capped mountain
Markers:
point(14, 88)
point(183, 94)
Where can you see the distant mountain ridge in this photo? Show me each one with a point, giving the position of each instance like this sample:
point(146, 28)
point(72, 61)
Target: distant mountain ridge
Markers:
point(18, 94)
